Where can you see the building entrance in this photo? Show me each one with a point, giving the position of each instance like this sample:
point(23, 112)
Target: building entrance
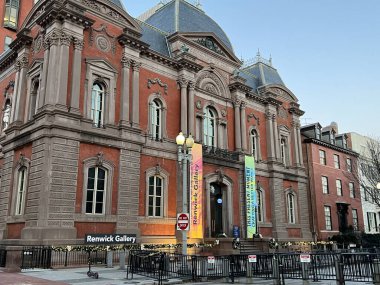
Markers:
point(216, 207)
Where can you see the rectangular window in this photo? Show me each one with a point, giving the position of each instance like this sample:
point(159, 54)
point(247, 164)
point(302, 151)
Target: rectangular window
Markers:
point(155, 197)
point(7, 42)
point(349, 165)
point(372, 222)
point(328, 218)
point(325, 185)
point(339, 191)
point(21, 187)
point(322, 157)
point(352, 189)
point(96, 190)
point(11, 13)
point(355, 220)
point(336, 161)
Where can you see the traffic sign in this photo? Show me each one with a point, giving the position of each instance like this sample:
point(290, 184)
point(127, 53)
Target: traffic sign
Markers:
point(305, 257)
point(183, 222)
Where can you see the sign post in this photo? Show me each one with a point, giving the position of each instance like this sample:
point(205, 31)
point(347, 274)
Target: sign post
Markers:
point(183, 222)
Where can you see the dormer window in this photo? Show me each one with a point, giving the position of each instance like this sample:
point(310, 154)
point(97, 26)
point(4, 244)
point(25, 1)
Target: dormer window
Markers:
point(318, 133)
point(332, 137)
point(344, 142)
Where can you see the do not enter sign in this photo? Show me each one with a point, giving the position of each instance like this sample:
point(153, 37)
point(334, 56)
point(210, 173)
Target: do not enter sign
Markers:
point(183, 222)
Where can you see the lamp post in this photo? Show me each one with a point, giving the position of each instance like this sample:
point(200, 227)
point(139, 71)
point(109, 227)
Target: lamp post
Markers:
point(184, 156)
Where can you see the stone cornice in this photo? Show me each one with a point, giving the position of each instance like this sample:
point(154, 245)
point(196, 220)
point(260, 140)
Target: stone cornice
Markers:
point(296, 111)
point(7, 60)
point(188, 63)
point(22, 40)
point(237, 85)
point(128, 39)
point(68, 11)
point(334, 147)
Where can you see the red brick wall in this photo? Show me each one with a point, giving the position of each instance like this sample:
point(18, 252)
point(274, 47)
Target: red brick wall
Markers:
point(94, 228)
point(157, 230)
point(14, 230)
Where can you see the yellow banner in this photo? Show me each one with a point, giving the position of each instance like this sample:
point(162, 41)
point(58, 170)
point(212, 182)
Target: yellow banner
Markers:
point(196, 193)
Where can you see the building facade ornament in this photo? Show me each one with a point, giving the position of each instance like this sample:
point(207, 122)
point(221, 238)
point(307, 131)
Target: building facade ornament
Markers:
point(159, 82)
point(37, 44)
point(125, 61)
point(198, 104)
point(22, 161)
point(136, 66)
point(252, 116)
point(99, 159)
point(104, 41)
point(78, 44)
point(183, 82)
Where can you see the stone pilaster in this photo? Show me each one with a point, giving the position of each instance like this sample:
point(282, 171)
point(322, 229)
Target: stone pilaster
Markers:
point(243, 119)
point(276, 137)
point(183, 85)
point(20, 95)
point(299, 144)
point(5, 191)
point(76, 75)
point(128, 192)
point(278, 208)
point(295, 143)
point(135, 94)
point(63, 69)
point(125, 84)
point(237, 102)
point(191, 108)
point(41, 99)
point(304, 213)
point(270, 138)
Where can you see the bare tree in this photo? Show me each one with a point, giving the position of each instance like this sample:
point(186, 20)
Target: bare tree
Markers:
point(369, 172)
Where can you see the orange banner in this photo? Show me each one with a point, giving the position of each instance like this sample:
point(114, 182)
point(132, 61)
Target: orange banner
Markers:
point(196, 193)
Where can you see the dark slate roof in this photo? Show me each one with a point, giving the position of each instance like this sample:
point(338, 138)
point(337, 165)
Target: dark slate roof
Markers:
point(118, 3)
point(189, 18)
point(155, 38)
point(263, 75)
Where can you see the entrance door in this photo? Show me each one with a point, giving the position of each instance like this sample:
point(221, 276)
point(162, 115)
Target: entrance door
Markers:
point(216, 207)
point(342, 217)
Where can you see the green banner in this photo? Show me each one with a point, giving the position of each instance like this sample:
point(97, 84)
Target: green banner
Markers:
point(250, 196)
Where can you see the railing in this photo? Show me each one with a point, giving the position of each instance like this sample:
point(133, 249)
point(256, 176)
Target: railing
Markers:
point(36, 257)
point(214, 152)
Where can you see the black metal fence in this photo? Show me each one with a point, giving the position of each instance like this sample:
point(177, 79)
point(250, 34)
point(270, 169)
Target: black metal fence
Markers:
point(357, 267)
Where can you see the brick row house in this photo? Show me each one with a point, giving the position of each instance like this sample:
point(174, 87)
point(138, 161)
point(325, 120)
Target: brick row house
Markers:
point(335, 199)
point(93, 101)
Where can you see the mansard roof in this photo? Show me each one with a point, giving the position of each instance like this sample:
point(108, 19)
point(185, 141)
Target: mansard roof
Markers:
point(181, 16)
point(118, 3)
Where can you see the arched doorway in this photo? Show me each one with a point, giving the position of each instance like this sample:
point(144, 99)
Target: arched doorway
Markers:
point(216, 209)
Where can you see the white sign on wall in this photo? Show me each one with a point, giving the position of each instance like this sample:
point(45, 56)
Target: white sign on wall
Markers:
point(305, 258)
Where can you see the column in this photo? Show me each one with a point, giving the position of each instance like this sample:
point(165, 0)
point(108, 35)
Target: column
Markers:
point(63, 69)
point(243, 119)
point(191, 118)
point(125, 76)
point(51, 82)
point(237, 124)
point(270, 138)
point(299, 143)
point(220, 133)
point(183, 84)
point(21, 68)
point(135, 94)
point(76, 75)
point(41, 98)
point(295, 142)
point(276, 138)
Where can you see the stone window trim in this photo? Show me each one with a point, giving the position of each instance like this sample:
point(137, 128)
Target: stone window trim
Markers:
point(21, 163)
point(101, 71)
point(284, 134)
point(263, 208)
point(164, 109)
point(258, 147)
point(290, 192)
point(32, 95)
point(220, 125)
point(162, 173)
point(7, 106)
point(109, 166)
point(328, 219)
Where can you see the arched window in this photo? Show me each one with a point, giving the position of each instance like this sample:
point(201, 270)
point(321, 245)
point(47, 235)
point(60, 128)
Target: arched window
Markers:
point(155, 196)
point(254, 144)
point(33, 98)
point(21, 190)
point(209, 128)
point(156, 119)
point(96, 190)
point(6, 114)
point(97, 105)
point(290, 202)
point(260, 206)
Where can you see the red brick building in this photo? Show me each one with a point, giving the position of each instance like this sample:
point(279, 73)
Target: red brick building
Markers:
point(335, 199)
point(93, 101)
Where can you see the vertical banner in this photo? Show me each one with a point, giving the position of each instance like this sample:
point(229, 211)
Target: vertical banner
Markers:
point(251, 195)
point(196, 193)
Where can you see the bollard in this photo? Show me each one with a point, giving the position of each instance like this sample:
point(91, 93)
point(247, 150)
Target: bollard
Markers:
point(249, 272)
point(276, 272)
point(376, 271)
point(109, 258)
point(305, 273)
point(339, 273)
point(122, 260)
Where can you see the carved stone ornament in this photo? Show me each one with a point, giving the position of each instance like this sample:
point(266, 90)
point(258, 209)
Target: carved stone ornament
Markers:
point(182, 82)
point(136, 66)
point(125, 61)
point(252, 116)
point(105, 10)
point(209, 43)
point(37, 45)
point(22, 161)
point(65, 39)
point(99, 159)
point(224, 112)
point(104, 41)
point(282, 113)
point(209, 87)
point(157, 169)
point(78, 44)
point(209, 77)
point(10, 85)
point(220, 174)
point(198, 104)
point(159, 82)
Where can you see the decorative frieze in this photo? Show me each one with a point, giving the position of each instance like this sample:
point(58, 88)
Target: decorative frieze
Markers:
point(159, 82)
point(104, 41)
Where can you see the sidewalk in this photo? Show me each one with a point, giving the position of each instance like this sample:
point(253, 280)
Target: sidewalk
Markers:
point(114, 276)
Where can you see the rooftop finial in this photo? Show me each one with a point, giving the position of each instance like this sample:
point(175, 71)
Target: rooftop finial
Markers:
point(258, 53)
point(270, 59)
point(198, 4)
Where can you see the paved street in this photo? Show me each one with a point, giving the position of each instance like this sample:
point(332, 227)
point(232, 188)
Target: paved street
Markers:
point(114, 276)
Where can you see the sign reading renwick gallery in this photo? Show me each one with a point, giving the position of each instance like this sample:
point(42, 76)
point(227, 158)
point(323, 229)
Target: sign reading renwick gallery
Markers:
point(109, 238)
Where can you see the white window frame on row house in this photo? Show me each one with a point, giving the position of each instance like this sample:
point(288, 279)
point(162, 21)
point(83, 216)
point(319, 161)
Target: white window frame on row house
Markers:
point(151, 175)
point(105, 75)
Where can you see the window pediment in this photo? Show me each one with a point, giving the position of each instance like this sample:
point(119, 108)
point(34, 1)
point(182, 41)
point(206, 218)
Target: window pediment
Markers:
point(101, 64)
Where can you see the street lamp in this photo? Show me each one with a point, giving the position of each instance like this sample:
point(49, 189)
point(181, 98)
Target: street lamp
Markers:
point(184, 156)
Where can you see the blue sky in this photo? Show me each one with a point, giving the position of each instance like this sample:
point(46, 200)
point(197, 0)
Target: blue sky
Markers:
point(327, 52)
